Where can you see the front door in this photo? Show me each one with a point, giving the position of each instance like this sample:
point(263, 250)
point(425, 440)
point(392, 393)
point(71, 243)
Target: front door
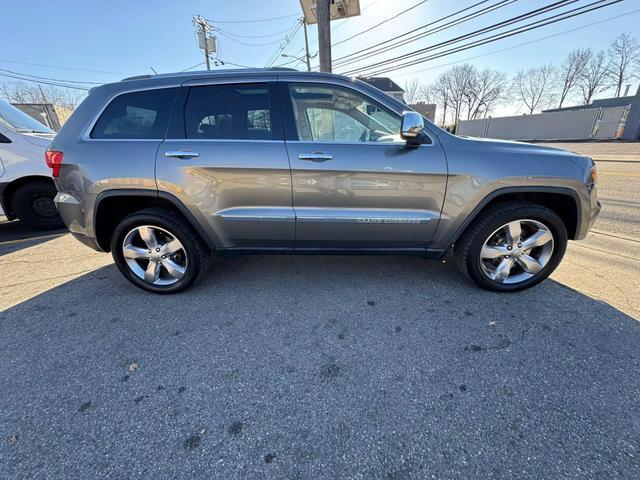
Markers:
point(356, 184)
point(225, 158)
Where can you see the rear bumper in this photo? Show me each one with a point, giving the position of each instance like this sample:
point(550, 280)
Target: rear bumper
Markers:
point(88, 241)
point(72, 214)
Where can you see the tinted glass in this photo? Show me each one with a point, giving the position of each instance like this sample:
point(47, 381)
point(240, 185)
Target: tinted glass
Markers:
point(136, 115)
point(334, 114)
point(19, 121)
point(241, 112)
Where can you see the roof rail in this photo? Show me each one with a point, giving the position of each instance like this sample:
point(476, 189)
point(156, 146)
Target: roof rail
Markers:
point(137, 77)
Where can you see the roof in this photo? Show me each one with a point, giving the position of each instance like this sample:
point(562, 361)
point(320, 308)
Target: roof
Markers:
point(383, 83)
point(198, 73)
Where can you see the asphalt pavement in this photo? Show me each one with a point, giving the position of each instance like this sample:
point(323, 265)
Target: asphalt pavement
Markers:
point(322, 367)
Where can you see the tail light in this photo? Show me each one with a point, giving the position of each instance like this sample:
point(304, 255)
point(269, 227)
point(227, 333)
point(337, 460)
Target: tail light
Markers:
point(54, 161)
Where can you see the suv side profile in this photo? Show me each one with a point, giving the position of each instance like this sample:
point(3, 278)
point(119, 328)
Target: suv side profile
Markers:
point(162, 171)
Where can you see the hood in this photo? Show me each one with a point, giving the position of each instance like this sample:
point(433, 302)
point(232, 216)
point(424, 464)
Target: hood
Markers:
point(512, 145)
point(39, 139)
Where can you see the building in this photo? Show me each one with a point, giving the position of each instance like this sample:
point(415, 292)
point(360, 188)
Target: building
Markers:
point(427, 110)
point(46, 113)
point(386, 85)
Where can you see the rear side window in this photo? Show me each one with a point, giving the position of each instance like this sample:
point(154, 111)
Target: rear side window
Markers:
point(137, 115)
point(233, 112)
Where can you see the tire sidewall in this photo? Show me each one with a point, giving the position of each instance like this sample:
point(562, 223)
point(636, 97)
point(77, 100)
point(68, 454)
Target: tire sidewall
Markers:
point(546, 217)
point(22, 205)
point(135, 221)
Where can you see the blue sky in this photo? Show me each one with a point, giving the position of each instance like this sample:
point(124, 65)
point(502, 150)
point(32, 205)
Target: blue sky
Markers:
point(106, 41)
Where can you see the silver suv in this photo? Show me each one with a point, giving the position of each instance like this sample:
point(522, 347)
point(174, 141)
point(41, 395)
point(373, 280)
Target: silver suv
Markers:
point(164, 170)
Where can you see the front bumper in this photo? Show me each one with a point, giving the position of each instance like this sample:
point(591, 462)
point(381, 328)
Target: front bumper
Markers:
point(591, 208)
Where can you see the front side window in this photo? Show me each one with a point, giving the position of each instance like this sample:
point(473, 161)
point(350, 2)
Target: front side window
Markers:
point(229, 112)
point(335, 114)
point(136, 115)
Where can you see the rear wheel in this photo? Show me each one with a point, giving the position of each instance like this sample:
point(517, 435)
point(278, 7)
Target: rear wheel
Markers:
point(158, 251)
point(33, 204)
point(512, 247)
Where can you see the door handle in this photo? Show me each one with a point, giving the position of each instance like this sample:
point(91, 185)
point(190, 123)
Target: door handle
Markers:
point(315, 156)
point(181, 154)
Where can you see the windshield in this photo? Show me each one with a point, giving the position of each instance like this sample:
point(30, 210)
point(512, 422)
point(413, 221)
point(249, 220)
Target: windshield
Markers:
point(19, 121)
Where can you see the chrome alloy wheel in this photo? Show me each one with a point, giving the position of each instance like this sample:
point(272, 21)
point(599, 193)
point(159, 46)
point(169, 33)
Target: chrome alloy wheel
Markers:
point(154, 255)
point(516, 251)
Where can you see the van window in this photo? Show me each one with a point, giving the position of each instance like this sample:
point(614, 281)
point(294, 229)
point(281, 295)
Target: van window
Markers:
point(136, 115)
point(241, 112)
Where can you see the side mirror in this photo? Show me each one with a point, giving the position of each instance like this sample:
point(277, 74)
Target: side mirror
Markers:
point(412, 126)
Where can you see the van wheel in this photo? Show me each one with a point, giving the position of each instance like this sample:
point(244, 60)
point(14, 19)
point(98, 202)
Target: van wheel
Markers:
point(156, 250)
point(33, 204)
point(512, 247)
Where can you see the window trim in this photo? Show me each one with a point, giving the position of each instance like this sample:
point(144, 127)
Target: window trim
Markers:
point(86, 134)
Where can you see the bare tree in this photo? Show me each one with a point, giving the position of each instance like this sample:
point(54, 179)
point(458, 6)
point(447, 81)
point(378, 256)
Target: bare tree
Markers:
point(21, 92)
point(413, 91)
point(460, 79)
point(534, 87)
point(571, 70)
point(485, 88)
point(594, 78)
point(624, 52)
point(441, 94)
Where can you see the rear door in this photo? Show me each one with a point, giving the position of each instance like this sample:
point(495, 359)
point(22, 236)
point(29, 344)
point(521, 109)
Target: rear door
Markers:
point(356, 184)
point(225, 158)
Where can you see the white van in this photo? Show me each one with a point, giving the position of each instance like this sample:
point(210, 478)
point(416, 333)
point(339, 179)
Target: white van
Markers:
point(26, 186)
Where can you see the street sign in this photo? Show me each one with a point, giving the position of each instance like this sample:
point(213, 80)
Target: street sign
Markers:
point(339, 9)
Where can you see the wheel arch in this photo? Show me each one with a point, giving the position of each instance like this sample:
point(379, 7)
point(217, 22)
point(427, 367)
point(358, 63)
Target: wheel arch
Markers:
point(563, 201)
point(111, 206)
point(11, 187)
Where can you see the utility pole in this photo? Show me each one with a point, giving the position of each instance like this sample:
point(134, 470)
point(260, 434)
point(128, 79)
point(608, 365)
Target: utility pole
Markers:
point(306, 44)
point(46, 108)
point(203, 37)
point(324, 34)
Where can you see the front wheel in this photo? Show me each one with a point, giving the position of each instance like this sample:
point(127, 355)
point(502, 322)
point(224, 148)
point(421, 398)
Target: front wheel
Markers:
point(512, 247)
point(156, 250)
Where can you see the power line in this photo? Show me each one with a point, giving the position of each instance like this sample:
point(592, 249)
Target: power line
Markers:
point(386, 45)
point(43, 82)
point(37, 77)
point(61, 67)
point(247, 44)
point(287, 39)
point(255, 20)
point(495, 26)
point(217, 29)
point(494, 38)
point(381, 23)
point(519, 44)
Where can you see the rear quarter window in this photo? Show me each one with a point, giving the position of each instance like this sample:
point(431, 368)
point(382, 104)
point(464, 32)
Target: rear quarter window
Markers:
point(136, 115)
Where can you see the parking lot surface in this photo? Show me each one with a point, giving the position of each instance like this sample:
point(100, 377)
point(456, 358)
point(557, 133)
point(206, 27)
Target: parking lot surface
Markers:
point(323, 367)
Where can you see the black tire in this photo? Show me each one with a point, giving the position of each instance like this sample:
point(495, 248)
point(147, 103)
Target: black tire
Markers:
point(468, 249)
point(33, 204)
point(197, 253)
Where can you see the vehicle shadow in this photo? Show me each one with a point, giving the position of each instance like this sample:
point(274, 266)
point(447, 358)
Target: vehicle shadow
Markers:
point(318, 367)
point(15, 235)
